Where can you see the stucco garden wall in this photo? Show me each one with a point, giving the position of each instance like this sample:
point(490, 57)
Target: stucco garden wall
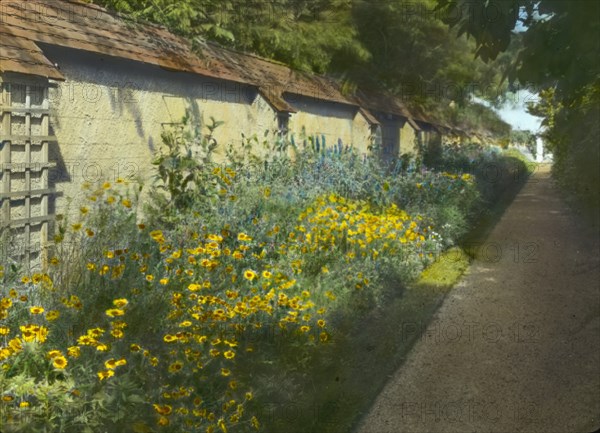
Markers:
point(329, 119)
point(408, 137)
point(109, 114)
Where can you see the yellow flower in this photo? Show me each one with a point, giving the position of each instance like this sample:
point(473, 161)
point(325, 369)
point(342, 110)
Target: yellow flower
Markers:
point(74, 351)
point(230, 354)
point(105, 374)
point(149, 277)
point(267, 192)
point(24, 404)
point(114, 312)
point(320, 323)
point(4, 330)
point(175, 367)
point(91, 266)
point(267, 274)
point(86, 340)
point(194, 287)
point(52, 315)
point(102, 348)
point(163, 410)
point(95, 332)
point(83, 210)
point(135, 347)
point(305, 328)
point(76, 227)
point(60, 362)
point(126, 203)
point(164, 281)
point(250, 275)
point(120, 303)
point(53, 353)
point(244, 237)
point(36, 310)
point(106, 185)
point(169, 338)
point(117, 333)
point(225, 372)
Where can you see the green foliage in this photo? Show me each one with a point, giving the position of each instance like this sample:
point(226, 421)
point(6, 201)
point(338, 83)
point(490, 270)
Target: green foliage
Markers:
point(559, 59)
point(157, 318)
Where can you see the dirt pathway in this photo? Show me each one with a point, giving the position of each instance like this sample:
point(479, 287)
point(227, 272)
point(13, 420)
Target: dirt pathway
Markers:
point(516, 345)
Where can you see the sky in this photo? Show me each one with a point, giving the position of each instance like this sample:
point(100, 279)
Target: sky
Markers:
point(514, 111)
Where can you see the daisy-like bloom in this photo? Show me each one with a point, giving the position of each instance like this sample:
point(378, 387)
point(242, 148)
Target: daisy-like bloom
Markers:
point(95, 332)
point(250, 275)
point(135, 347)
point(36, 310)
point(24, 404)
point(59, 362)
point(149, 278)
point(225, 372)
point(76, 227)
point(102, 348)
point(111, 364)
point(86, 340)
point(74, 351)
point(120, 303)
point(320, 323)
point(121, 362)
point(106, 185)
point(114, 312)
point(175, 367)
point(194, 287)
point(52, 315)
point(244, 237)
point(105, 374)
point(83, 210)
point(305, 328)
point(164, 281)
point(53, 353)
point(230, 354)
point(4, 330)
point(117, 333)
point(162, 409)
point(267, 274)
point(126, 203)
point(169, 338)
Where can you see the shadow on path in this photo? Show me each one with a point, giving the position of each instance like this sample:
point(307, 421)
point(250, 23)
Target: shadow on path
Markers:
point(516, 345)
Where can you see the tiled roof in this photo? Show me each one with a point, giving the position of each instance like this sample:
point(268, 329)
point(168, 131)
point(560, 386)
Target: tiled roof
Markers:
point(23, 56)
point(69, 23)
point(87, 27)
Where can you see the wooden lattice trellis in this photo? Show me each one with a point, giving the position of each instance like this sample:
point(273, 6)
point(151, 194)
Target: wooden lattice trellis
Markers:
point(24, 167)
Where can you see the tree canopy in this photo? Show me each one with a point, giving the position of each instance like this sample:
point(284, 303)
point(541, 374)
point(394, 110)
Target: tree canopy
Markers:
point(559, 58)
point(403, 47)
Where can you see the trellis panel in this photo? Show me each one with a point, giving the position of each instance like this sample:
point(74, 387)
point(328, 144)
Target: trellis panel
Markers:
point(25, 139)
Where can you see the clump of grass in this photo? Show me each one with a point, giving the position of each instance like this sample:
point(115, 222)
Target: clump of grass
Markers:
point(446, 271)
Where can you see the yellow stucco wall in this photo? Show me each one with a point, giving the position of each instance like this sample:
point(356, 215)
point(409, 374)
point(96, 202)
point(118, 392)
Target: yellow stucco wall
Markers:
point(108, 117)
point(109, 114)
point(332, 120)
point(408, 137)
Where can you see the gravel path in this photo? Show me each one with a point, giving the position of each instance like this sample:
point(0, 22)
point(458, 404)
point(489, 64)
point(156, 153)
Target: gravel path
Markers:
point(516, 345)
